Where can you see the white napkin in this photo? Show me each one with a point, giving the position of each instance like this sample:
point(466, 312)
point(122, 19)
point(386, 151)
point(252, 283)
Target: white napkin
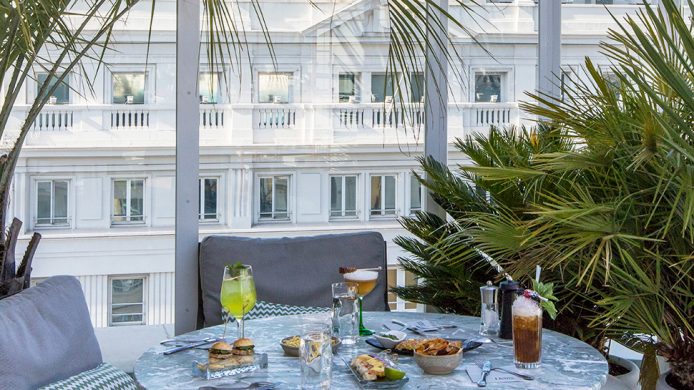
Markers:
point(495, 376)
point(423, 326)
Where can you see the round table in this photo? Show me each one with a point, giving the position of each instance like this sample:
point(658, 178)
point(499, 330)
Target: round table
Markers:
point(567, 363)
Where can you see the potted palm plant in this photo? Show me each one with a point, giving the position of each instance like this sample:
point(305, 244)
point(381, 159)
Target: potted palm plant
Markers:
point(610, 214)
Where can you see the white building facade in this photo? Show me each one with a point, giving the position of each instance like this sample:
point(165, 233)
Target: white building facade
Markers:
point(304, 145)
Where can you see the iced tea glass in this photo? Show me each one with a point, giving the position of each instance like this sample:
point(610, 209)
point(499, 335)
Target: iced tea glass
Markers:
point(527, 332)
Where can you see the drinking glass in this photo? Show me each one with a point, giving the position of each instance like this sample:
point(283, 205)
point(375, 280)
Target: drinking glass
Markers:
point(316, 358)
point(344, 320)
point(238, 293)
point(366, 282)
point(527, 333)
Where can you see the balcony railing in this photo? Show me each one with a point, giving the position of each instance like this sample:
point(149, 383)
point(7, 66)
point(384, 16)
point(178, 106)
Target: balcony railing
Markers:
point(54, 118)
point(274, 116)
point(270, 123)
point(129, 118)
point(211, 117)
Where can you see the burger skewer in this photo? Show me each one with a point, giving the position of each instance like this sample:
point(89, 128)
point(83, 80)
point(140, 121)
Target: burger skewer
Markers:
point(349, 270)
point(192, 345)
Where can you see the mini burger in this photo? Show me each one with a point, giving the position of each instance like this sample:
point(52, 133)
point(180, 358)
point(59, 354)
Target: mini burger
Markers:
point(243, 347)
point(219, 351)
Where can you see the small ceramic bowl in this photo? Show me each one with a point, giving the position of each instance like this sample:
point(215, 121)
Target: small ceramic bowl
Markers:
point(389, 343)
point(438, 365)
point(294, 351)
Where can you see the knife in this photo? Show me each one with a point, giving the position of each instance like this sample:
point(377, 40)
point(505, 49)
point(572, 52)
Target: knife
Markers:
point(486, 368)
point(192, 345)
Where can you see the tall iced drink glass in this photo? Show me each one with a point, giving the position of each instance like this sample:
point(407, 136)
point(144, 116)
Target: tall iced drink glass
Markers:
point(527, 332)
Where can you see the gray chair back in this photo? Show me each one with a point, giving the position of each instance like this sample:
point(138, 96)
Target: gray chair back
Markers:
point(46, 335)
point(292, 271)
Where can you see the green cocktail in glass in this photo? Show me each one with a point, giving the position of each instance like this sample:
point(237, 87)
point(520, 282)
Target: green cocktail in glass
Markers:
point(238, 292)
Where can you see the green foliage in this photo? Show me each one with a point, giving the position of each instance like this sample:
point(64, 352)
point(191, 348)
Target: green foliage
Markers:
point(602, 196)
point(546, 290)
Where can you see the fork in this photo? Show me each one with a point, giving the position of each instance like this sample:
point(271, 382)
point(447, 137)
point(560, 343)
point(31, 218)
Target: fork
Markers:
point(252, 386)
point(518, 374)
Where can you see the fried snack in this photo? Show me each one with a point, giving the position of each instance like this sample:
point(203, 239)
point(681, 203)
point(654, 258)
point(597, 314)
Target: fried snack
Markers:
point(293, 342)
point(438, 347)
point(408, 345)
point(368, 367)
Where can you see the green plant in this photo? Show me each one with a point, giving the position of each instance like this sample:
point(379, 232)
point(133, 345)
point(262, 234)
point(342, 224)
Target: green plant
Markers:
point(623, 228)
point(610, 214)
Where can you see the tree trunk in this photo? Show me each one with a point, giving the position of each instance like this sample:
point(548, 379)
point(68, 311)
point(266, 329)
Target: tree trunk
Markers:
point(11, 281)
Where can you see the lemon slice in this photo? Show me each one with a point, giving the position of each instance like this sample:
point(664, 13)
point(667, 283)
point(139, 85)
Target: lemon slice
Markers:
point(392, 374)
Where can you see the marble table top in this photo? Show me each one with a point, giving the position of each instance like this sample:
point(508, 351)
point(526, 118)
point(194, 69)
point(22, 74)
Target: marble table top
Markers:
point(567, 363)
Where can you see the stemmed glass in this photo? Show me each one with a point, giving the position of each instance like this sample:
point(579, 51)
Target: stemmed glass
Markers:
point(238, 293)
point(366, 282)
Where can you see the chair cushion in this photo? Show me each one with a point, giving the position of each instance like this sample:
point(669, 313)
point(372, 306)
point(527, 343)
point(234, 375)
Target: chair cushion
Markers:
point(46, 335)
point(295, 271)
point(264, 309)
point(103, 377)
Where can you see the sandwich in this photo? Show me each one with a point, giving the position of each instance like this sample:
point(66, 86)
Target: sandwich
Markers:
point(243, 347)
point(368, 367)
point(220, 351)
point(222, 355)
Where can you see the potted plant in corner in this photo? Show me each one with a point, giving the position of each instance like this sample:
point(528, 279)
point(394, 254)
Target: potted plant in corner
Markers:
point(609, 214)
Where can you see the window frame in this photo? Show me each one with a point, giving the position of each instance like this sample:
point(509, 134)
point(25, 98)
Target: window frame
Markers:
point(293, 93)
point(35, 201)
point(111, 278)
point(422, 194)
point(201, 186)
point(342, 216)
point(507, 87)
point(401, 278)
point(395, 81)
point(357, 95)
point(32, 85)
point(259, 218)
point(383, 211)
point(128, 215)
point(219, 73)
point(150, 82)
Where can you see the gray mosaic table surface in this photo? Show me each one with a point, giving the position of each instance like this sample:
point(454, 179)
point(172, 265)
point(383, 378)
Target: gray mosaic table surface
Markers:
point(567, 363)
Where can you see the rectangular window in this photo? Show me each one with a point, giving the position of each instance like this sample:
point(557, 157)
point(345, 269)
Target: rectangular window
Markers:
point(399, 277)
point(128, 201)
point(348, 88)
point(392, 278)
point(51, 202)
point(61, 95)
point(274, 198)
point(208, 87)
point(127, 301)
point(381, 87)
point(128, 88)
point(275, 87)
point(487, 88)
point(416, 87)
point(416, 190)
point(343, 196)
point(383, 195)
point(613, 82)
point(410, 280)
point(208, 199)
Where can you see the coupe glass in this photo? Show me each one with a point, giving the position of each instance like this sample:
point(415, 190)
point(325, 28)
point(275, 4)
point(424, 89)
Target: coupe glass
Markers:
point(238, 293)
point(366, 281)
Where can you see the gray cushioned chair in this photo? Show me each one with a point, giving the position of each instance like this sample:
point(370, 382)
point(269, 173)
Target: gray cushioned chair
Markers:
point(291, 271)
point(46, 337)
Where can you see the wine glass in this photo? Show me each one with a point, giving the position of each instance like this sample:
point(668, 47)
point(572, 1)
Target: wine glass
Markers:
point(238, 293)
point(366, 282)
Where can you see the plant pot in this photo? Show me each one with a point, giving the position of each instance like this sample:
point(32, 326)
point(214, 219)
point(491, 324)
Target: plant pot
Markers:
point(662, 382)
point(629, 379)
